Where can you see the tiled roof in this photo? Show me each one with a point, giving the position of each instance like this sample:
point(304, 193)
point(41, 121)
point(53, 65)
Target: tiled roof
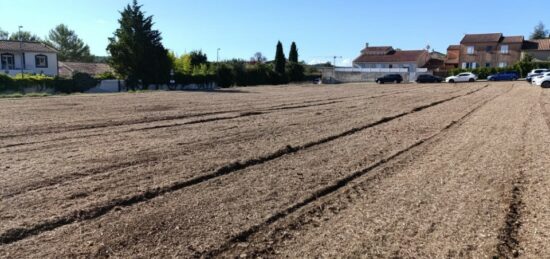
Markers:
point(543, 44)
point(377, 50)
point(513, 39)
point(481, 38)
point(454, 47)
point(397, 56)
point(9, 45)
point(66, 69)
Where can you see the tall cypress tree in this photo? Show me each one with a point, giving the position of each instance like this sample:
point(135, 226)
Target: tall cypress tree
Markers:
point(136, 49)
point(293, 54)
point(280, 59)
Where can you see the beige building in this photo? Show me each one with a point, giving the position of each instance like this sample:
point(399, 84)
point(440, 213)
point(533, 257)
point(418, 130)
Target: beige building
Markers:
point(538, 49)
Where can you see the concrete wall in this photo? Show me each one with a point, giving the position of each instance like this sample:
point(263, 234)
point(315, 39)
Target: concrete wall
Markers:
point(330, 76)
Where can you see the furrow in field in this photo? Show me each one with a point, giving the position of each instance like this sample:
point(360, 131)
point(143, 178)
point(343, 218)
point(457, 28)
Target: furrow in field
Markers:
point(201, 110)
point(531, 227)
point(156, 148)
point(23, 140)
point(448, 198)
point(351, 143)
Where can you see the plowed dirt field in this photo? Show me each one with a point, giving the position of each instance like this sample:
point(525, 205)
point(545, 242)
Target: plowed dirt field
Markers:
point(358, 170)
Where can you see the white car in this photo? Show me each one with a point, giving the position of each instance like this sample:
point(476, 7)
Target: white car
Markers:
point(543, 80)
point(462, 77)
point(537, 71)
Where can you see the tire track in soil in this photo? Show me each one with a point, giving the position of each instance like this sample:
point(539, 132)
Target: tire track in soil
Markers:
point(153, 158)
point(17, 234)
point(247, 235)
point(295, 105)
point(243, 113)
point(509, 245)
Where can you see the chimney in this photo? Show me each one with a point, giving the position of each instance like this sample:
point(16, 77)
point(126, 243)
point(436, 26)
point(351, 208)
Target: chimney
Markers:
point(367, 45)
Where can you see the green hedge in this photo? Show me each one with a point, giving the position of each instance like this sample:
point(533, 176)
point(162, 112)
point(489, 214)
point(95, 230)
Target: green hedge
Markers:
point(79, 83)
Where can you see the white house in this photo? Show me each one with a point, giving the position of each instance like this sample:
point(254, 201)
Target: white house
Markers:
point(27, 57)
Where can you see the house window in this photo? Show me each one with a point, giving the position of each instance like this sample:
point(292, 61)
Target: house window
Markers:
point(8, 61)
point(504, 49)
point(474, 65)
point(502, 64)
point(470, 50)
point(41, 60)
point(489, 48)
point(487, 64)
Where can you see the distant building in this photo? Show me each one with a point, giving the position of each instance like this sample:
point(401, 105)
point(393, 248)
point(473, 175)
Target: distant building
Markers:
point(67, 69)
point(487, 50)
point(27, 57)
point(452, 59)
point(388, 57)
point(538, 49)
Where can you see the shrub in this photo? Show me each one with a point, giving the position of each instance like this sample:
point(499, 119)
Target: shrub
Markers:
point(106, 76)
point(295, 71)
point(224, 76)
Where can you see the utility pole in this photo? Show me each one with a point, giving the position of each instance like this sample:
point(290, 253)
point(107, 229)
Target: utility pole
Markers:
point(334, 60)
point(21, 50)
point(218, 56)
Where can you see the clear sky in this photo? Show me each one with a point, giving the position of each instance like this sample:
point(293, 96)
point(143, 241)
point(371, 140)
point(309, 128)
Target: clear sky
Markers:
point(321, 28)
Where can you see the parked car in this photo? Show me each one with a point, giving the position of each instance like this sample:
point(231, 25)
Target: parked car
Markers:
point(530, 77)
point(390, 78)
point(542, 80)
point(537, 71)
point(462, 77)
point(504, 76)
point(428, 79)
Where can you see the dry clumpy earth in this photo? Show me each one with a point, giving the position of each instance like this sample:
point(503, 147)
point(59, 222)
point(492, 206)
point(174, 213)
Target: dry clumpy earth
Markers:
point(358, 170)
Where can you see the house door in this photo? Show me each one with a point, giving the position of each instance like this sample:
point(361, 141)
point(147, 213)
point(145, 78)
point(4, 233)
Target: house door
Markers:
point(8, 62)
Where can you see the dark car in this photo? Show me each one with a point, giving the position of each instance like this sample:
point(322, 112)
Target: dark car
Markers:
point(503, 76)
point(428, 79)
point(390, 78)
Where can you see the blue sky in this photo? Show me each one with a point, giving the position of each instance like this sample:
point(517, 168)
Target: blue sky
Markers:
point(321, 28)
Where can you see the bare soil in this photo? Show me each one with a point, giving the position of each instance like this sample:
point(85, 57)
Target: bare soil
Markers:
point(355, 170)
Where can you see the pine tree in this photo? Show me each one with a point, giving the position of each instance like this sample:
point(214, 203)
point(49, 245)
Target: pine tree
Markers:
point(70, 47)
point(540, 32)
point(136, 49)
point(24, 36)
point(280, 59)
point(293, 54)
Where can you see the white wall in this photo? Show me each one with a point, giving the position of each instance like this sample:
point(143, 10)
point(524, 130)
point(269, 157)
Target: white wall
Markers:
point(30, 65)
point(51, 70)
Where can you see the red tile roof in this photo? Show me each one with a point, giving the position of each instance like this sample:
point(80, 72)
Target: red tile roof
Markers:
point(481, 38)
point(377, 50)
point(454, 47)
point(543, 44)
point(397, 56)
point(27, 46)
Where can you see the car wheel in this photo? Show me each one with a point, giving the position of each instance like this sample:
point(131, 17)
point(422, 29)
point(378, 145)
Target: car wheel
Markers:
point(545, 84)
point(471, 80)
point(452, 81)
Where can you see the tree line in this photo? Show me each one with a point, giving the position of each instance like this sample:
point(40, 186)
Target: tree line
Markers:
point(138, 56)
